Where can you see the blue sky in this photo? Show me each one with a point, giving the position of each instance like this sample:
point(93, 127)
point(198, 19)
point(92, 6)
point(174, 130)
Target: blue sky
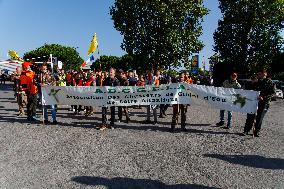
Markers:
point(28, 24)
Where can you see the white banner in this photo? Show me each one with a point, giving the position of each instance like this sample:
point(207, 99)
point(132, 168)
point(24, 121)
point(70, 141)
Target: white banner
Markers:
point(236, 100)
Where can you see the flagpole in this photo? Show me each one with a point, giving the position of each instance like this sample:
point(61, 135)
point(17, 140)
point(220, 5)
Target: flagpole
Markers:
point(99, 57)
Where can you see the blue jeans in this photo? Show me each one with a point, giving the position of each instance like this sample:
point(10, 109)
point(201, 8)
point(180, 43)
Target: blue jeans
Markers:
point(222, 117)
point(53, 112)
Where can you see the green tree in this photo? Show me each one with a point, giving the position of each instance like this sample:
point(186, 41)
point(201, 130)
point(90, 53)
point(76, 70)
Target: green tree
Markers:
point(68, 55)
point(248, 35)
point(159, 33)
point(126, 62)
point(105, 62)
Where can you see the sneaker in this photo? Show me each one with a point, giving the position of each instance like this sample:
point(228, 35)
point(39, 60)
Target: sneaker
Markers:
point(147, 122)
point(55, 122)
point(110, 126)
point(161, 116)
point(34, 118)
point(244, 133)
point(255, 134)
point(127, 120)
point(155, 123)
point(98, 127)
point(102, 128)
point(183, 129)
point(46, 122)
point(221, 123)
point(171, 130)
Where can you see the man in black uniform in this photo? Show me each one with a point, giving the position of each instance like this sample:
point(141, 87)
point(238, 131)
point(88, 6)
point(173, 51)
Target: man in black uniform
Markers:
point(109, 81)
point(250, 117)
point(267, 89)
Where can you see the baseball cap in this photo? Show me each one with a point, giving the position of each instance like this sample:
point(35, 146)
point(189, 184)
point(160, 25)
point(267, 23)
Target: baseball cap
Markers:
point(26, 64)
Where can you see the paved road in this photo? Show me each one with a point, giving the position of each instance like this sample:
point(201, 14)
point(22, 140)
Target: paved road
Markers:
point(73, 154)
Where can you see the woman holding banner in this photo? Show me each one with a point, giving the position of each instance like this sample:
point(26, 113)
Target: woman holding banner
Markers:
point(230, 83)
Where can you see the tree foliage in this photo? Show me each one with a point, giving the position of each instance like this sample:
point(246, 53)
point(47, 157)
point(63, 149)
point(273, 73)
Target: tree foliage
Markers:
point(248, 36)
point(126, 62)
point(68, 55)
point(159, 33)
point(105, 62)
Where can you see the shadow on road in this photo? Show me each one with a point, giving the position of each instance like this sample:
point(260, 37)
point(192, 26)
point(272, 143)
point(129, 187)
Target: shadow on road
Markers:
point(199, 125)
point(251, 161)
point(129, 183)
point(166, 127)
point(6, 87)
point(7, 99)
point(161, 127)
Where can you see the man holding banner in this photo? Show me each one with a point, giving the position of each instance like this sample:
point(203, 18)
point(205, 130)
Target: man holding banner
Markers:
point(267, 89)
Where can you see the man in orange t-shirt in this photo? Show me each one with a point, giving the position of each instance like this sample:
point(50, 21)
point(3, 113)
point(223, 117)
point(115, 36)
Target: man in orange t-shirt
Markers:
point(28, 85)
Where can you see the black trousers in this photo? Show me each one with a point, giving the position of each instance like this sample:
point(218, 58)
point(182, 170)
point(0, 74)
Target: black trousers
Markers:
point(112, 115)
point(261, 111)
point(163, 108)
point(120, 112)
point(89, 109)
point(78, 108)
point(249, 122)
point(182, 109)
point(32, 104)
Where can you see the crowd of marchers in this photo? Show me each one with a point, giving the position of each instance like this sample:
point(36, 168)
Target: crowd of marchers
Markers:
point(28, 84)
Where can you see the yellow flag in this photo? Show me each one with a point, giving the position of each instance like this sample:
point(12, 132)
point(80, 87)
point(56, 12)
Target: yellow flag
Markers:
point(14, 56)
point(93, 45)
